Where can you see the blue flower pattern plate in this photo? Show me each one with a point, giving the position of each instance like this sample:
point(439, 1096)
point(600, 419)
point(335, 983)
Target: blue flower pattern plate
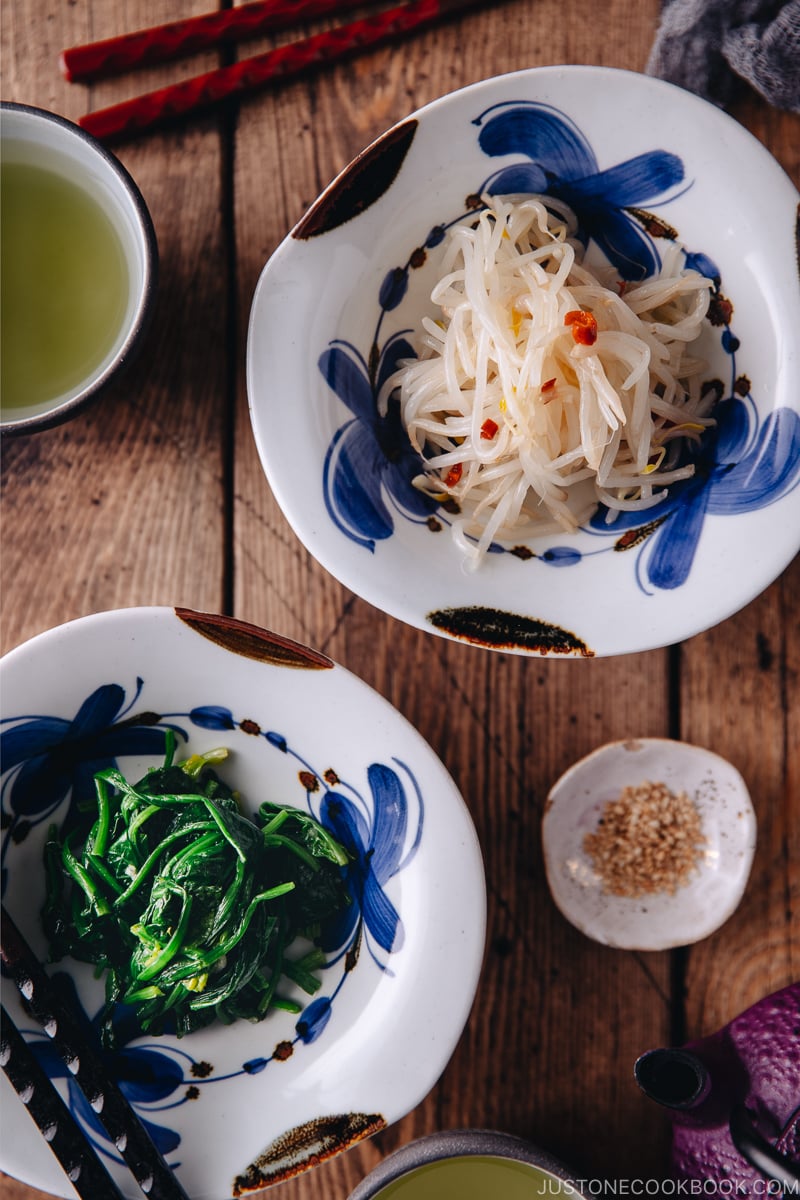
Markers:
point(640, 163)
point(292, 1089)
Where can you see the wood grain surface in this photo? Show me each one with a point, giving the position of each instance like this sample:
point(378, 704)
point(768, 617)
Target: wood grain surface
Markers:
point(155, 496)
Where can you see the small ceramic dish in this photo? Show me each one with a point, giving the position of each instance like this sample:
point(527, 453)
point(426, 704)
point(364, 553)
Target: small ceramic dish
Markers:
point(235, 1108)
point(77, 216)
point(704, 898)
point(472, 1164)
point(643, 162)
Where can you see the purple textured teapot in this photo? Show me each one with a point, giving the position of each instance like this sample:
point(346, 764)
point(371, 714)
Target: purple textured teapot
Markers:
point(734, 1098)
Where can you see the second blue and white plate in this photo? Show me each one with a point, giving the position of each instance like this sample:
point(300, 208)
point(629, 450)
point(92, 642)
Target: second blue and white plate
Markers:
point(640, 162)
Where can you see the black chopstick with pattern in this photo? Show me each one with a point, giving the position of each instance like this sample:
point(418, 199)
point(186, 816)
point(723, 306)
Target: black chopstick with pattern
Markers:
point(85, 1064)
point(56, 1123)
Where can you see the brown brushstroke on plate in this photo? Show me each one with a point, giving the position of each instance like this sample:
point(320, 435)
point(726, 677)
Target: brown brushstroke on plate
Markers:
point(306, 1146)
point(504, 630)
point(362, 183)
point(253, 642)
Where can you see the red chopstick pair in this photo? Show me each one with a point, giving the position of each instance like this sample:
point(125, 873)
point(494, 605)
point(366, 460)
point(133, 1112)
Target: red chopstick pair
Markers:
point(250, 74)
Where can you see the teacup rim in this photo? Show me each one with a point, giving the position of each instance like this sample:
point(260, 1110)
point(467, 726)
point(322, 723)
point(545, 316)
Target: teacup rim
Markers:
point(68, 408)
point(461, 1143)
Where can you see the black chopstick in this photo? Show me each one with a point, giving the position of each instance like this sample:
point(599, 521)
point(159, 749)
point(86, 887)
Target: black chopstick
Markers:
point(60, 1130)
point(143, 1159)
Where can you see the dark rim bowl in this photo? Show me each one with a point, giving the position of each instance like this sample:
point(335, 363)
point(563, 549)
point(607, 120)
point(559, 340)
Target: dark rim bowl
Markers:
point(459, 1143)
point(125, 205)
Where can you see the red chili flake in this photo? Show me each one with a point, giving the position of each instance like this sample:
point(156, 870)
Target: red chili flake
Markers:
point(548, 384)
point(584, 327)
point(309, 781)
point(488, 429)
point(453, 475)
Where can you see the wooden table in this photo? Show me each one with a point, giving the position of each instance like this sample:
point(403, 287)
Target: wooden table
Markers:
point(156, 496)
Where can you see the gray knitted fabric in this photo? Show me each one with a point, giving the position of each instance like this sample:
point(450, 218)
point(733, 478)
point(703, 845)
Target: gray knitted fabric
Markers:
point(710, 46)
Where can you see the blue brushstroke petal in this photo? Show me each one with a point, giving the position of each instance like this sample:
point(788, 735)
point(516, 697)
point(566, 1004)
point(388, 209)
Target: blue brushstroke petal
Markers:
point(411, 500)
point(31, 738)
point(393, 288)
point(391, 820)
point(119, 740)
point(380, 916)
point(345, 821)
point(145, 1075)
point(339, 931)
point(768, 472)
point(395, 350)
point(255, 1066)
point(622, 241)
point(543, 136)
point(346, 376)
point(562, 556)
point(521, 177)
point(633, 182)
point(38, 787)
point(675, 544)
point(314, 1019)
point(697, 261)
point(98, 710)
point(212, 716)
point(353, 484)
point(728, 440)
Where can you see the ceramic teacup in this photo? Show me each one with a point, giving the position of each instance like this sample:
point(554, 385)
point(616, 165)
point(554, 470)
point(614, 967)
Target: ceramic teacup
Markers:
point(79, 268)
point(466, 1164)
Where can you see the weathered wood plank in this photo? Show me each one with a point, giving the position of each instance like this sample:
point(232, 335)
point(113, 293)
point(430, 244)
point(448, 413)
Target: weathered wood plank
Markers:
point(125, 504)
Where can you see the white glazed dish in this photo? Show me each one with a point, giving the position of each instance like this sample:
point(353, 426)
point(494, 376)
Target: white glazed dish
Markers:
point(351, 277)
point(42, 139)
point(660, 920)
point(242, 1106)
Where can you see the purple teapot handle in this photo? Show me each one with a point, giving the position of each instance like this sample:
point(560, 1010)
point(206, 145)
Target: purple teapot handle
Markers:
point(758, 1151)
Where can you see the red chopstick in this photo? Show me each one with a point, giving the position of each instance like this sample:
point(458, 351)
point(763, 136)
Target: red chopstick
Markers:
point(163, 43)
point(251, 74)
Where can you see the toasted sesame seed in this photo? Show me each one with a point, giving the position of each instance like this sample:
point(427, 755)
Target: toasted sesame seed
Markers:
point(647, 840)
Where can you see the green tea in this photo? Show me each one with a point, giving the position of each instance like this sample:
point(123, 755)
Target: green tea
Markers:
point(65, 284)
point(475, 1178)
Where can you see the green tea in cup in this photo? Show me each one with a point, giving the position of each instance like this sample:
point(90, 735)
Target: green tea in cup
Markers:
point(77, 267)
point(475, 1177)
point(467, 1164)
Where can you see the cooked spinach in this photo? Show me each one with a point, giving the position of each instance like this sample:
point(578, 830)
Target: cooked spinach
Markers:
point(188, 907)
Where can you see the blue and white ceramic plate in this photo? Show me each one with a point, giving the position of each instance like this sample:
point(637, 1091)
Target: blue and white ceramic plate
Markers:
point(640, 162)
point(235, 1108)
